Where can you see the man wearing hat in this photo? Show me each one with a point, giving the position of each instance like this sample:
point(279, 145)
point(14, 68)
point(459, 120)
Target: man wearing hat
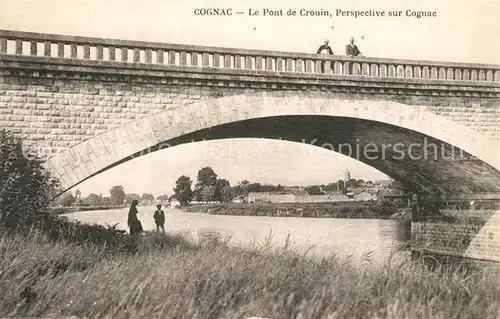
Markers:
point(159, 217)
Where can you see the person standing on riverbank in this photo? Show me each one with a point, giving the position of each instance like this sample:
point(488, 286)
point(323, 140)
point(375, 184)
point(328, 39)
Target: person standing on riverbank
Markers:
point(159, 217)
point(133, 221)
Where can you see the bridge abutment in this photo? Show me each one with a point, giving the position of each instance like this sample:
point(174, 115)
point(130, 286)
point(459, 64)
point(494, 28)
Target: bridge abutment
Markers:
point(472, 233)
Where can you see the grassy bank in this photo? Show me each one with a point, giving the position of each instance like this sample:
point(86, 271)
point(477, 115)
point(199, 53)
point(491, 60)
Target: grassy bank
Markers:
point(367, 210)
point(174, 277)
point(68, 210)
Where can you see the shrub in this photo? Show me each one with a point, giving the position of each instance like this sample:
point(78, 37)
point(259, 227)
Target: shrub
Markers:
point(26, 191)
point(25, 185)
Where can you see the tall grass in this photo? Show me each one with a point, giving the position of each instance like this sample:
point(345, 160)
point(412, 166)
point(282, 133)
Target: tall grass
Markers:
point(176, 277)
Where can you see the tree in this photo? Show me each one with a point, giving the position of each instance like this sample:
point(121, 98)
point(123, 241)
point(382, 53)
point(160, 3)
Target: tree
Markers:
point(117, 195)
point(227, 194)
point(351, 183)
point(182, 191)
point(238, 190)
point(207, 193)
point(254, 187)
point(105, 201)
point(244, 183)
point(78, 196)
point(68, 199)
point(147, 197)
point(93, 199)
point(130, 197)
point(219, 185)
point(206, 177)
point(163, 198)
point(314, 190)
point(26, 187)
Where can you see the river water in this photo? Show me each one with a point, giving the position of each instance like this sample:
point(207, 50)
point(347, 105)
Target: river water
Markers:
point(317, 236)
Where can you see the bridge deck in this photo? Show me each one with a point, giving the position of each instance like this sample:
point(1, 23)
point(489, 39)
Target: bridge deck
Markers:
point(125, 53)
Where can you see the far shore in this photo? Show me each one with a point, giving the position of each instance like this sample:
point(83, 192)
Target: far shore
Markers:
point(361, 210)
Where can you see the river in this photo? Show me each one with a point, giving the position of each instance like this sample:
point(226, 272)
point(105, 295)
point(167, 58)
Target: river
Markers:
point(318, 236)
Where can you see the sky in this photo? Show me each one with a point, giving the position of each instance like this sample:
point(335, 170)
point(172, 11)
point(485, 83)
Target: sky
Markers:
point(462, 31)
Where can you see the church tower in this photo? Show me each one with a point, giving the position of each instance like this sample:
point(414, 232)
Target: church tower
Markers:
point(347, 175)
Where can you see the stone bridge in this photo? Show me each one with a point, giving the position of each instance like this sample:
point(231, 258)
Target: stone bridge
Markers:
point(89, 104)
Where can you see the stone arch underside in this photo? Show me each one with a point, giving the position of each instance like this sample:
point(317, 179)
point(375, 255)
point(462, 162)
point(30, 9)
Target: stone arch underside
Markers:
point(313, 118)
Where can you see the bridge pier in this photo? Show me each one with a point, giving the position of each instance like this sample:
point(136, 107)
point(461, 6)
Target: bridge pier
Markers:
point(467, 233)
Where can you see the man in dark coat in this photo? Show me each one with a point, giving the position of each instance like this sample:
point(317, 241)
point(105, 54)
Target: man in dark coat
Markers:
point(351, 50)
point(325, 49)
point(159, 217)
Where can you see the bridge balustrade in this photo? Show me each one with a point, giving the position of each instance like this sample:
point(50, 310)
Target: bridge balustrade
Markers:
point(122, 52)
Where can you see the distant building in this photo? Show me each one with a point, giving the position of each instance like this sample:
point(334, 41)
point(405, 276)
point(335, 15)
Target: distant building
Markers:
point(365, 195)
point(385, 194)
point(299, 197)
point(174, 202)
point(239, 199)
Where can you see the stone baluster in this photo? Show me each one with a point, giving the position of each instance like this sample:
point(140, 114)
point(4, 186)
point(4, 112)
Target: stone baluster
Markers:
point(34, 48)
point(19, 47)
point(60, 50)
point(160, 56)
point(112, 54)
point(227, 61)
point(86, 51)
point(3, 45)
point(47, 48)
point(194, 58)
point(149, 56)
point(269, 63)
point(100, 52)
point(216, 57)
point(183, 58)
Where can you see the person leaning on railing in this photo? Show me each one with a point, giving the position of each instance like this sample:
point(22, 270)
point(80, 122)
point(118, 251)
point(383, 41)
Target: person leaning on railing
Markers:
point(325, 49)
point(352, 50)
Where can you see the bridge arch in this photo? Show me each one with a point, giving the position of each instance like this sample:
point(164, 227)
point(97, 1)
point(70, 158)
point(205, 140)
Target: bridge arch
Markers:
point(292, 113)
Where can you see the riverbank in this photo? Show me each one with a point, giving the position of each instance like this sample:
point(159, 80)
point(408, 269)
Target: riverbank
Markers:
point(176, 277)
point(74, 209)
point(364, 210)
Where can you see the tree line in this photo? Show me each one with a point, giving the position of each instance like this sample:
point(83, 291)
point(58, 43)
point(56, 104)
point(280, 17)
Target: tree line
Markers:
point(117, 197)
point(209, 187)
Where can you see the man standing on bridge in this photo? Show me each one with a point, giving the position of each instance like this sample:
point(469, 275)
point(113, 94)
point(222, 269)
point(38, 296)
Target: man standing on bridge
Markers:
point(325, 49)
point(352, 50)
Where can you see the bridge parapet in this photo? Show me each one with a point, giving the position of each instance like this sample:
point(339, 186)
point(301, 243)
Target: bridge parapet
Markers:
point(121, 52)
